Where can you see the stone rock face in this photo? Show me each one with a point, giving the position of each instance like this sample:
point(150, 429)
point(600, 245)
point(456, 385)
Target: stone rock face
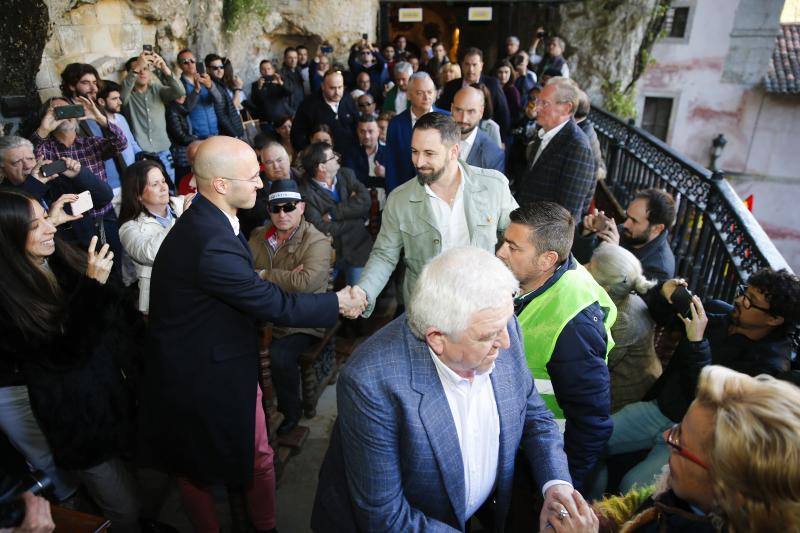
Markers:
point(106, 33)
point(603, 39)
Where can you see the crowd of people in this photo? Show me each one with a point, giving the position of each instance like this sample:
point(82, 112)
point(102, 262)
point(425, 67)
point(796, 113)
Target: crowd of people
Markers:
point(150, 226)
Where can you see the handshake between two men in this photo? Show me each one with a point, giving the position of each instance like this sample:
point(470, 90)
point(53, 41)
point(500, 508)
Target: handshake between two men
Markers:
point(352, 301)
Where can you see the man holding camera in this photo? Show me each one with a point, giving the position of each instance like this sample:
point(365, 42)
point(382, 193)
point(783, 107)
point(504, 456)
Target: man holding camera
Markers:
point(144, 101)
point(752, 336)
point(203, 116)
point(270, 95)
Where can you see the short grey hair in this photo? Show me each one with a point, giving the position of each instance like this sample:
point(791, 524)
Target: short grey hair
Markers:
point(455, 285)
point(512, 39)
point(10, 142)
point(567, 91)
point(420, 75)
point(618, 271)
point(403, 66)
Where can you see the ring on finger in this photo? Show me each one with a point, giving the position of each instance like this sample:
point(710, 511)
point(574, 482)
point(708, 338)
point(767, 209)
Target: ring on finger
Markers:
point(562, 514)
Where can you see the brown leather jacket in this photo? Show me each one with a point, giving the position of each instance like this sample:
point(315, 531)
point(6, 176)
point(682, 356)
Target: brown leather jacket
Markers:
point(308, 247)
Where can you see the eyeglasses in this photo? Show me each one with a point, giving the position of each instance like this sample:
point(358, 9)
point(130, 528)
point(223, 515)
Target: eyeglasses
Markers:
point(747, 302)
point(334, 156)
point(187, 60)
point(216, 67)
point(672, 441)
point(286, 208)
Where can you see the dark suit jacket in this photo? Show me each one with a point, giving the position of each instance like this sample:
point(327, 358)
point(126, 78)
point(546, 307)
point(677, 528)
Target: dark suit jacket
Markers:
point(499, 104)
point(486, 154)
point(564, 172)
point(358, 162)
point(399, 168)
point(315, 110)
point(198, 389)
point(394, 461)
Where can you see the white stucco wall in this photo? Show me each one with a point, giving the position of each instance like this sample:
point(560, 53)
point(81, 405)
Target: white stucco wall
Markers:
point(756, 125)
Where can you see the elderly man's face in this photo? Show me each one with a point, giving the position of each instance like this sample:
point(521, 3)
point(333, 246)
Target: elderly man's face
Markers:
point(276, 163)
point(512, 47)
point(549, 112)
point(471, 68)
point(284, 221)
point(421, 94)
point(554, 49)
point(17, 164)
point(333, 87)
point(401, 79)
point(689, 480)
point(474, 350)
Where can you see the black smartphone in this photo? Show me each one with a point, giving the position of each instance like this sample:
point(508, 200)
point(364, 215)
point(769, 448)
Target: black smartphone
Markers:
point(201, 67)
point(147, 48)
point(326, 49)
point(681, 298)
point(56, 167)
point(540, 34)
point(68, 111)
point(364, 36)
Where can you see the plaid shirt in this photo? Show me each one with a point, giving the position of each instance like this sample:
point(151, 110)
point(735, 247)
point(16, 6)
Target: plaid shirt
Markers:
point(86, 150)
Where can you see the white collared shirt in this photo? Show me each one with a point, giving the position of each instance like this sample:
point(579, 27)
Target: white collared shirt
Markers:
point(400, 101)
point(466, 145)
point(450, 220)
point(414, 117)
point(546, 137)
point(474, 410)
point(324, 184)
point(234, 222)
point(334, 106)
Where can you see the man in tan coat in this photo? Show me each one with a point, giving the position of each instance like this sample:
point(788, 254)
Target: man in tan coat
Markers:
point(293, 254)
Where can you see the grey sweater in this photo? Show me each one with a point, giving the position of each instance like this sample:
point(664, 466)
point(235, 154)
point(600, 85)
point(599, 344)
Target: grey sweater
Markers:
point(146, 111)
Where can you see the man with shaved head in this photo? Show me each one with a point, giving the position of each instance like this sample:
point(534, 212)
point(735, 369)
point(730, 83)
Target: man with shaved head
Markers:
point(200, 414)
point(332, 106)
point(477, 149)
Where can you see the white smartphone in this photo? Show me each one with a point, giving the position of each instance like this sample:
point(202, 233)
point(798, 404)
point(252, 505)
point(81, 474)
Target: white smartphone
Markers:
point(82, 204)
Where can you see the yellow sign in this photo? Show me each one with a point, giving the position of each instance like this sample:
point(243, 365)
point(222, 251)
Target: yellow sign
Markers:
point(409, 14)
point(479, 14)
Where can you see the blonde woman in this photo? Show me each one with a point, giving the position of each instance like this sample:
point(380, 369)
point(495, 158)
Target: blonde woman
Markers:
point(632, 363)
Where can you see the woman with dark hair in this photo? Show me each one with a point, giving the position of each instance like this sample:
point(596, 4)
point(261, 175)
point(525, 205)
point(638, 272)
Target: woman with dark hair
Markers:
point(283, 130)
point(233, 84)
point(321, 133)
point(487, 124)
point(65, 350)
point(507, 76)
point(146, 216)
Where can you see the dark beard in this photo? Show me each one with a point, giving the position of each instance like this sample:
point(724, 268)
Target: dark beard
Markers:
point(628, 241)
point(423, 180)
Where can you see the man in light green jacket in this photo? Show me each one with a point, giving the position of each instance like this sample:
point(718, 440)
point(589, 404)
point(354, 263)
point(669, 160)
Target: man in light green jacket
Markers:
point(449, 204)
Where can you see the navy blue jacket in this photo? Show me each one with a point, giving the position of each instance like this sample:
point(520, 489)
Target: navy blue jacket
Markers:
point(656, 257)
point(79, 231)
point(486, 154)
point(399, 168)
point(198, 389)
point(581, 382)
point(676, 388)
point(358, 162)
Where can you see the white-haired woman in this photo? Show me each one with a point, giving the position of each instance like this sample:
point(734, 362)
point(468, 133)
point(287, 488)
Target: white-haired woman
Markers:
point(633, 363)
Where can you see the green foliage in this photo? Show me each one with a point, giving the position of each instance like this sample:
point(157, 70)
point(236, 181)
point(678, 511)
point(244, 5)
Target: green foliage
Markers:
point(235, 11)
point(620, 102)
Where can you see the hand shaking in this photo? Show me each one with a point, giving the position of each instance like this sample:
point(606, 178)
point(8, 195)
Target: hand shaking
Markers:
point(352, 301)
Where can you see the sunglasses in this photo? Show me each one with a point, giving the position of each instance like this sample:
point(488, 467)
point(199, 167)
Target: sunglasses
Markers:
point(185, 61)
point(216, 67)
point(286, 208)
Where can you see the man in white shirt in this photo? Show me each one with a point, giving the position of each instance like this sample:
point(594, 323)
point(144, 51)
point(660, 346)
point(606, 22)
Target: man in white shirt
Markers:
point(433, 408)
point(449, 204)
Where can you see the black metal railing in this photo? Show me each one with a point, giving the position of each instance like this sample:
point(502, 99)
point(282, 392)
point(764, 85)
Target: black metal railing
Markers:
point(717, 241)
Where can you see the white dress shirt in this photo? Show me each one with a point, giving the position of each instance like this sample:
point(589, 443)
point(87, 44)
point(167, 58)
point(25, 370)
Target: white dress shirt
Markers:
point(414, 117)
point(334, 106)
point(465, 145)
point(450, 220)
point(546, 137)
point(400, 101)
point(474, 410)
point(234, 222)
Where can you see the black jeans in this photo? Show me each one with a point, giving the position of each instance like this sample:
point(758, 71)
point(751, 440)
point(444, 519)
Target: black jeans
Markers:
point(284, 353)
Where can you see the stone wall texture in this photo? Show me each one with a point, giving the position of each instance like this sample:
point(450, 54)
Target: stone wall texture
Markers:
point(106, 33)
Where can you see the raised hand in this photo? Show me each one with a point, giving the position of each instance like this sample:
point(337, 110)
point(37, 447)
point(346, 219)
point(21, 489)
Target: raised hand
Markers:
point(92, 111)
point(37, 170)
point(609, 234)
point(696, 324)
point(669, 287)
point(57, 214)
point(73, 167)
point(49, 123)
point(99, 264)
point(380, 170)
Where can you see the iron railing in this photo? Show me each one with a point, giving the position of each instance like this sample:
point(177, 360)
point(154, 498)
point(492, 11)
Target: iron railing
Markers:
point(717, 242)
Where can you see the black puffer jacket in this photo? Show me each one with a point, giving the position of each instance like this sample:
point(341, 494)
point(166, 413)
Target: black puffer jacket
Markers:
point(81, 381)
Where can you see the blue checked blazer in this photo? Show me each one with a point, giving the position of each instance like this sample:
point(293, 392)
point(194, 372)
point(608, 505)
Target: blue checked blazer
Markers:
point(394, 462)
point(564, 173)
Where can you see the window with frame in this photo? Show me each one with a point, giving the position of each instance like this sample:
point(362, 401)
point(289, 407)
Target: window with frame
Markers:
point(656, 115)
point(676, 22)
